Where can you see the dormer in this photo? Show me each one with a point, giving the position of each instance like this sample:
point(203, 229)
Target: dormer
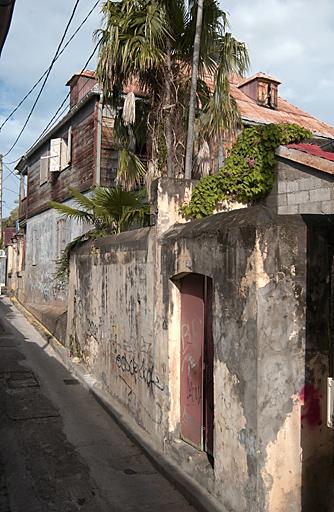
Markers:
point(80, 84)
point(261, 88)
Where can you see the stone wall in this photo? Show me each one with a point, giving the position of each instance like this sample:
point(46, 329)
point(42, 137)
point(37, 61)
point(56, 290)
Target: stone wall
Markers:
point(124, 323)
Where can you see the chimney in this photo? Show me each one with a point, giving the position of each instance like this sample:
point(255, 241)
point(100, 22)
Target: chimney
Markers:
point(261, 88)
point(80, 84)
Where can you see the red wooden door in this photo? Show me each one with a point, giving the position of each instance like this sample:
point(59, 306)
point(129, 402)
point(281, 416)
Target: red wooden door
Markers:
point(192, 351)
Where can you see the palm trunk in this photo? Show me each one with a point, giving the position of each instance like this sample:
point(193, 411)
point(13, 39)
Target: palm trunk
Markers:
point(193, 91)
point(169, 137)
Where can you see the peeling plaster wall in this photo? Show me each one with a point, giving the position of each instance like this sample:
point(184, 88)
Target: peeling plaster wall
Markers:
point(111, 324)
point(38, 285)
point(258, 265)
point(124, 322)
point(281, 372)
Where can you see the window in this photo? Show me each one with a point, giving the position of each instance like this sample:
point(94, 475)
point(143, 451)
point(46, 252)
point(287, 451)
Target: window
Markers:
point(44, 169)
point(58, 158)
point(23, 186)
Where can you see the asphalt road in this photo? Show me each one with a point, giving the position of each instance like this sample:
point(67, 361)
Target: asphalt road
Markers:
point(59, 450)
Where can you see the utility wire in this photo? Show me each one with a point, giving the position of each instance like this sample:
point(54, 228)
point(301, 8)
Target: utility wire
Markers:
point(56, 116)
point(13, 162)
point(10, 172)
point(45, 79)
point(45, 72)
point(66, 98)
point(9, 190)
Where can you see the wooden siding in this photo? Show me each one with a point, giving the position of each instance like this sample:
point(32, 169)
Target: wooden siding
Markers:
point(78, 175)
point(109, 157)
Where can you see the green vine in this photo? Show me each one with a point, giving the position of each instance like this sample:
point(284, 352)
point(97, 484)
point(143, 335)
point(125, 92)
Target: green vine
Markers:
point(248, 173)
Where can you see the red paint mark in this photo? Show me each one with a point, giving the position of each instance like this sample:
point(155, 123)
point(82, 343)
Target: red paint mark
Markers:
point(312, 405)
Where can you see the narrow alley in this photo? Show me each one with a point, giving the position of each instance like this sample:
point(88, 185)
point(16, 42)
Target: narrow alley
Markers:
point(59, 449)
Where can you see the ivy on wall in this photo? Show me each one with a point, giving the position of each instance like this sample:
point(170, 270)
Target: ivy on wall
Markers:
point(248, 173)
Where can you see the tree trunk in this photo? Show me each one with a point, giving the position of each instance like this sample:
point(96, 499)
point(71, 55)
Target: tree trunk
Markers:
point(168, 106)
point(193, 91)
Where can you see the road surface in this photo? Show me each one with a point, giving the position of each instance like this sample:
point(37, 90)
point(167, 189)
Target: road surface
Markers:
point(59, 449)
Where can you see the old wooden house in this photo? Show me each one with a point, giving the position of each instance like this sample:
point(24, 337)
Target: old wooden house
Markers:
point(76, 152)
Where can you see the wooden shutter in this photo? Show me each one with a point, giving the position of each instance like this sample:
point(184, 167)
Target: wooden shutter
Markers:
point(69, 146)
point(55, 155)
point(44, 169)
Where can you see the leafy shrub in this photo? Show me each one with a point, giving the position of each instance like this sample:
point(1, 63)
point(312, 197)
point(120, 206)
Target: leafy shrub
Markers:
point(248, 173)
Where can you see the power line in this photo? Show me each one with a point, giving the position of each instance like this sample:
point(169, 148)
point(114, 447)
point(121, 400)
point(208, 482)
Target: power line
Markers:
point(55, 118)
point(9, 190)
point(45, 79)
point(10, 172)
point(45, 72)
point(13, 162)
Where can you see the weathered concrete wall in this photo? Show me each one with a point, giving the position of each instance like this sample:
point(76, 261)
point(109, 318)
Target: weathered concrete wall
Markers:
point(258, 266)
point(111, 324)
point(300, 189)
point(38, 285)
point(124, 322)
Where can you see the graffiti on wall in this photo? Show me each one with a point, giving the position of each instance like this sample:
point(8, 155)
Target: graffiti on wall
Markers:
point(139, 369)
point(134, 402)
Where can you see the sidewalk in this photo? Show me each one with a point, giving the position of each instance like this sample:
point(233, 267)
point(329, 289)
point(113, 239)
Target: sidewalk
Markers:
point(59, 449)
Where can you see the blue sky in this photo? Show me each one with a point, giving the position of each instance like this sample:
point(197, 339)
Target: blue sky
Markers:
point(290, 39)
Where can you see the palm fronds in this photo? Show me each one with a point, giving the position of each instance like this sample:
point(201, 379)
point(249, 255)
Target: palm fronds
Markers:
point(150, 43)
point(108, 210)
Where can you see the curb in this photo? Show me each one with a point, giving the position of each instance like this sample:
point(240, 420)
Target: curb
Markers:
point(188, 487)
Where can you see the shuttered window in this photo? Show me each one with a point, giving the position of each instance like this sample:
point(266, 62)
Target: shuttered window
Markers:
point(44, 169)
point(66, 150)
point(55, 152)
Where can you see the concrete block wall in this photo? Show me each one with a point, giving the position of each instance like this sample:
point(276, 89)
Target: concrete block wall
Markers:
point(300, 190)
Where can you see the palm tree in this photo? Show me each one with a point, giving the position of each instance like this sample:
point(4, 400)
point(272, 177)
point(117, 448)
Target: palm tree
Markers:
point(151, 43)
point(193, 90)
point(106, 211)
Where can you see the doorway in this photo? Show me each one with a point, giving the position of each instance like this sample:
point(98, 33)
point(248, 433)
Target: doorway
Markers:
point(197, 393)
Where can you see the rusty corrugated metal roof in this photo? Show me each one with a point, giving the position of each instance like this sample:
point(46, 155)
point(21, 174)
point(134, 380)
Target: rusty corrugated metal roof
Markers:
point(251, 112)
point(285, 113)
point(312, 149)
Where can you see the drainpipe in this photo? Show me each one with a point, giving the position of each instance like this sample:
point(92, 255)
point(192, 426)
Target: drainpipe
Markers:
point(99, 141)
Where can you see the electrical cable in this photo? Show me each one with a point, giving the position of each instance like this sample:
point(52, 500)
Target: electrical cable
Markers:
point(45, 72)
point(45, 79)
point(10, 172)
point(9, 190)
point(13, 162)
point(65, 99)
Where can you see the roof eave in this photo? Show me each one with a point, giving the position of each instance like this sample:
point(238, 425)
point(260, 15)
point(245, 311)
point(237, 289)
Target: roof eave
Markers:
point(93, 92)
point(300, 157)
